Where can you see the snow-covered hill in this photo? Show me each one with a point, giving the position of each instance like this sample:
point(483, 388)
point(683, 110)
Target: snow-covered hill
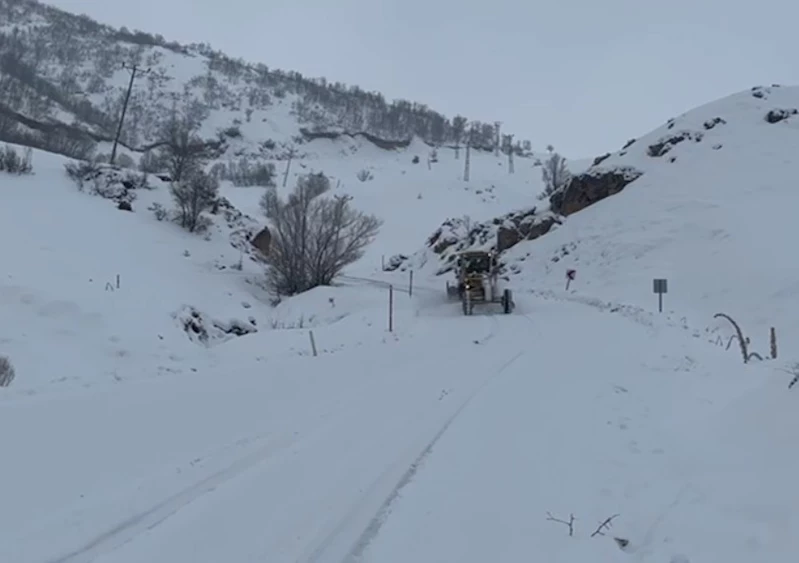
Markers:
point(64, 79)
point(71, 248)
point(711, 211)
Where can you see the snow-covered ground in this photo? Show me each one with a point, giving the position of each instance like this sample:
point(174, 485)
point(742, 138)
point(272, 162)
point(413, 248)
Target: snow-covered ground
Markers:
point(126, 438)
point(717, 223)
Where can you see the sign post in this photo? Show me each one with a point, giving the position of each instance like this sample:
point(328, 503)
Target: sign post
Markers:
point(660, 286)
point(570, 275)
point(391, 308)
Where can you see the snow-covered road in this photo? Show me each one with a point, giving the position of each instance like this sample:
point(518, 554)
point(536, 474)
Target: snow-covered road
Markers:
point(289, 464)
point(449, 443)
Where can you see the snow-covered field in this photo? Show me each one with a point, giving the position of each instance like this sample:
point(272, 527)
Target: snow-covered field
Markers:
point(449, 438)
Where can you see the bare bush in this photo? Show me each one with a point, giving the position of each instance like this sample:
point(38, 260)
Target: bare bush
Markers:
point(82, 171)
point(313, 237)
point(554, 173)
point(183, 151)
point(159, 211)
point(137, 181)
point(569, 522)
point(600, 530)
point(151, 163)
point(742, 340)
point(7, 372)
point(12, 163)
point(364, 175)
point(125, 161)
point(794, 371)
point(195, 193)
point(245, 174)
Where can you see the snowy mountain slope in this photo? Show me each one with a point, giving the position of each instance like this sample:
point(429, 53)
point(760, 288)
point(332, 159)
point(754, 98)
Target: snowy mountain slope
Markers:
point(713, 215)
point(63, 86)
point(410, 198)
point(182, 416)
point(69, 247)
point(97, 288)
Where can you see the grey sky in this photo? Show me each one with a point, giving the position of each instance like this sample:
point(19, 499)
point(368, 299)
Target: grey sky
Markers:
point(584, 75)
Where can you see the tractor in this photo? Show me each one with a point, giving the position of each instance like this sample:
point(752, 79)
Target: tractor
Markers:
point(477, 273)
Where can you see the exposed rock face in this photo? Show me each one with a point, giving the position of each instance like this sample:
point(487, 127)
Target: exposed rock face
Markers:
point(777, 115)
point(523, 225)
point(598, 160)
point(665, 144)
point(590, 187)
point(262, 241)
point(711, 123)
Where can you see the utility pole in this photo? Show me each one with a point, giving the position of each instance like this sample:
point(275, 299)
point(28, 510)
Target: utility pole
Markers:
point(288, 166)
point(510, 154)
point(468, 149)
point(133, 69)
point(497, 137)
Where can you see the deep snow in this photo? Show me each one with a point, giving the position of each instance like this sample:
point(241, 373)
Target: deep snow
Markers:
point(447, 439)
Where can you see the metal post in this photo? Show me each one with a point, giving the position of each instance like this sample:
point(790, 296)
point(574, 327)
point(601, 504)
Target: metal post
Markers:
point(313, 343)
point(410, 284)
point(773, 341)
point(391, 308)
point(660, 286)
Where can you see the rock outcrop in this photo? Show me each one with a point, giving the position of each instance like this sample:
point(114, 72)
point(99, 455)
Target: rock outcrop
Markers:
point(523, 225)
point(590, 187)
point(262, 241)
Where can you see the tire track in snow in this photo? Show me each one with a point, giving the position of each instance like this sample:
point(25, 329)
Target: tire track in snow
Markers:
point(356, 549)
point(371, 531)
point(130, 528)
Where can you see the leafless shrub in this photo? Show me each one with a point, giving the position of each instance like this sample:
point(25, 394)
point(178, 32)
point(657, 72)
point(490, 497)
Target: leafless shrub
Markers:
point(604, 525)
point(793, 370)
point(277, 324)
point(599, 531)
point(151, 163)
point(159, 211)
point(743, 341)
point(82, 171)
point(12, 163)
point(125, 161)
point(195, 193)
point(244, 174)
point(313, 237)
point(569, 522)
point(364, 175)
point(7, 373)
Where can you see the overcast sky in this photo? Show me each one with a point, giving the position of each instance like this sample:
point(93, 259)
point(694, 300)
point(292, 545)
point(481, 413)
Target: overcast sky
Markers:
point(583, 75)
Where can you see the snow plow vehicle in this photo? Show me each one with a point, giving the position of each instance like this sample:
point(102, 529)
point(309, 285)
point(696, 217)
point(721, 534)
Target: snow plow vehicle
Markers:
point(477, 281)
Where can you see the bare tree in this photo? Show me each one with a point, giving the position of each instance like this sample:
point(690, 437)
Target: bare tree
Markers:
point(554, 173)
point(313, 237)
point(195, 193)
point(183, 150)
